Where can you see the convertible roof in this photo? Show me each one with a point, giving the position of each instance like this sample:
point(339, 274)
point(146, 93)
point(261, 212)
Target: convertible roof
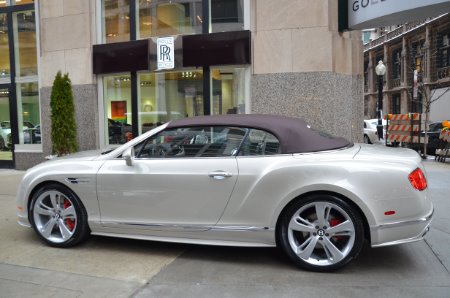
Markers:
point(294, 134)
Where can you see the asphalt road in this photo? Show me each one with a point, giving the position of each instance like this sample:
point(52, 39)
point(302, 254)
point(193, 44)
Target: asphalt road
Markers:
point(109, 267)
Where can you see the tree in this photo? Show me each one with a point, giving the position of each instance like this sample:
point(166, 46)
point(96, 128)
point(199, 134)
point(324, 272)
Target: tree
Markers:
point(64, 128)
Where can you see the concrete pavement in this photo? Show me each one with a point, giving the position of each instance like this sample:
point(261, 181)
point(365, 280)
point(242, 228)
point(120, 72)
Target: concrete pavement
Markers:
point(109, 267)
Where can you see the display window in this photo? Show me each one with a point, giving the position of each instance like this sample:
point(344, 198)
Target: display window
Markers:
point(227, 15)
point(168, 96)
point(21, 2)
point(116, 20)
point(5, 69)
point(164, 17)
point(28, 113)
point(156, 97)
point(25, 41)
point(5, 126)
point(4, 3)
point(228, 90)
point(117, 106)
point(152, 18)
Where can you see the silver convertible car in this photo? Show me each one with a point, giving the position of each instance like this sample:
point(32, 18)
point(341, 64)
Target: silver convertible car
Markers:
point(239, 180)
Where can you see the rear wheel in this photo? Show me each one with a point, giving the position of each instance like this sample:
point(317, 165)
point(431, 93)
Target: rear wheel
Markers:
point(367, 140)
point(58, 216)
point(321, 233)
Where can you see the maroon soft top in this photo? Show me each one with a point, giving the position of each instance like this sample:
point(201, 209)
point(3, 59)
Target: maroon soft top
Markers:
point(294, 134)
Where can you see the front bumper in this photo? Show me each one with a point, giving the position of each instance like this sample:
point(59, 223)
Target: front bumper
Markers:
point(400, 232)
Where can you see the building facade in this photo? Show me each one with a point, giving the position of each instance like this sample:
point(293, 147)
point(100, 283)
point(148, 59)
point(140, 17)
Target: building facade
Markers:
point(137, 63)
point(417, 59)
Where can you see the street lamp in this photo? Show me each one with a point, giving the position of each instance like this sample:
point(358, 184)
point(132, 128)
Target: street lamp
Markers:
point(380, 71)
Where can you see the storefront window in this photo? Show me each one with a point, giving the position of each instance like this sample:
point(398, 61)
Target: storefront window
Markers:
point(28, 113)
point(15, 2)
point(228, 91)
point(227, 15)
point(25, 41)
point(116, 20)
point(163, 17)
point(5, 126)
point(4, 49)
point(167, 96)
point(117, 94)
point(21, 2)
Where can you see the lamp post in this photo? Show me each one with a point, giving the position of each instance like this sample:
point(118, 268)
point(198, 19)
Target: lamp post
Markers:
point(380, 71)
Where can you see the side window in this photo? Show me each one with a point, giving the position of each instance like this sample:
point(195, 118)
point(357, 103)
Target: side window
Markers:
point(260, 142)
point(205, 141)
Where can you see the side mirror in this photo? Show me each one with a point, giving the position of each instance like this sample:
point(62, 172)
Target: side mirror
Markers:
point(128, 155)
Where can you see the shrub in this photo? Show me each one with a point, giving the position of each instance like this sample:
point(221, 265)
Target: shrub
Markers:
point(64, 127)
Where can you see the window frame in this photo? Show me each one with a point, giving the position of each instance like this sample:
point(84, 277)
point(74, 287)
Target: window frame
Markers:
point(139, 147)
point(201, 150)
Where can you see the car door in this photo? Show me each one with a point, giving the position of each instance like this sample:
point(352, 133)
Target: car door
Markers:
point(180, 179)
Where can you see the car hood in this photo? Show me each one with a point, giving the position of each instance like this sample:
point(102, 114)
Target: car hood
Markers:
point(387, 154)
point(83, 155)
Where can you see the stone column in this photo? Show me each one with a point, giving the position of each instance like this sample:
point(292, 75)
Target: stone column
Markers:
point(304, 67)
point(67, 32)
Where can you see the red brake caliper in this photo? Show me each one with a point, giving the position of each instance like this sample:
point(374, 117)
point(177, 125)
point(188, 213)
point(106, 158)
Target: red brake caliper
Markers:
point(69, 222)
point(335, 222)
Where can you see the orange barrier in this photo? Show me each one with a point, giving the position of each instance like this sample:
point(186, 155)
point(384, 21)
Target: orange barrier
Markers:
point(403, 128)
point(445, 135)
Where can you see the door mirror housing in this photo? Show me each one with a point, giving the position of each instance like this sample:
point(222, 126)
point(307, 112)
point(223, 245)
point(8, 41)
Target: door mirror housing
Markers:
point(128, 155)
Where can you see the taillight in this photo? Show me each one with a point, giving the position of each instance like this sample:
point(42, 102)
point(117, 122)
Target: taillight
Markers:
point(417, 179)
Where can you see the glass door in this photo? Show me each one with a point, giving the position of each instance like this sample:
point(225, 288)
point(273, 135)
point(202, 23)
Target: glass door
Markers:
point(6, 153)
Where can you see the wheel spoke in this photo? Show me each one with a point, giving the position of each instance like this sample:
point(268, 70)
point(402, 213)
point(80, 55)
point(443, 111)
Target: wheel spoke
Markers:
point(65, 232)
point(306, 249)
point(68, 213)
point(333, 253)
point(54, 200)
point(48, 228)
point(345, 228)
point(322, 212)
point(299, 224)
point(44, 210)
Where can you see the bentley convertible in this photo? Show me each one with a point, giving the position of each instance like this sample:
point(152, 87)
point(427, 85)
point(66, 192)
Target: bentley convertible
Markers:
point(238, 180)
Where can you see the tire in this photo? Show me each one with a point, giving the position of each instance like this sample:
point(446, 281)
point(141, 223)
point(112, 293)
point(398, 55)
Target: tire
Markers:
point(2, 144)
point(367, 140)
point(58, 216)
point(320, 243)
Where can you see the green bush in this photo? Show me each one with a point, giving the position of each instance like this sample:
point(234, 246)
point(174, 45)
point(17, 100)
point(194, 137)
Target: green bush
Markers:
point(64, 127)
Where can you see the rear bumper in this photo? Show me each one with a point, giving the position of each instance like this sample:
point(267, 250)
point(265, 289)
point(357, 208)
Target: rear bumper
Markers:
point(401, 232)
point(23, 220)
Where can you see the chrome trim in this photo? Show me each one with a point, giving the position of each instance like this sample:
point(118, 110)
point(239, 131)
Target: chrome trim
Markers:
point(405, 223)
point(23, 221)
point(328, 151)
point(239, 228)
point(403, 241)
point(175, 227)
point(75, 180)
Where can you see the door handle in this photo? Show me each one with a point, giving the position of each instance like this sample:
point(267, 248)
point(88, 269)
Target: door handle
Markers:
point(219, 175)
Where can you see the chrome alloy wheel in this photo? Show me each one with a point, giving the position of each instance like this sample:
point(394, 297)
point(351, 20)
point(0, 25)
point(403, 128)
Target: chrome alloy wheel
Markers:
point(54, 216)
point(321, 233)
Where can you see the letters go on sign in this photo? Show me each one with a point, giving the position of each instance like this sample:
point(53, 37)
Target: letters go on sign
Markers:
point(165, 53)
point(365, 14)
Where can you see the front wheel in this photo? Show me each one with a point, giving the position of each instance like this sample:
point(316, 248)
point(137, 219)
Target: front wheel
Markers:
point(321, 233)
point(58, 216)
